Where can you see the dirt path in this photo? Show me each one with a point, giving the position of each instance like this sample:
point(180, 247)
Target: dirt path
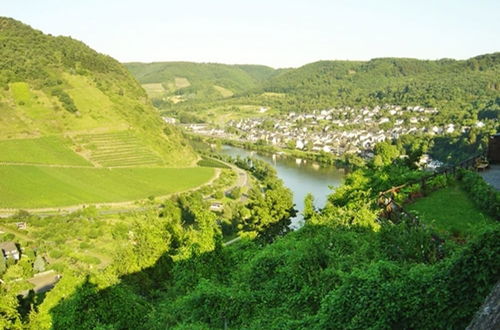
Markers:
point(46, 165)
point(80, 166)
point(241, 181)
point(234, 240)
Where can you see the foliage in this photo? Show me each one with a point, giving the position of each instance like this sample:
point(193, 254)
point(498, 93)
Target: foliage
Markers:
point(205, 81)
point(462, 90)
point(65, 99)
point(424, 297)
point(39, 264)
point(385, 154)
point(446, 84)
point(270, 204)
point(437, 182)
point(483, 195)
point(343, 269)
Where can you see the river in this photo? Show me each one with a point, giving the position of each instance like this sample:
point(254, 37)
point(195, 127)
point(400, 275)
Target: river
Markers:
point(301, 176)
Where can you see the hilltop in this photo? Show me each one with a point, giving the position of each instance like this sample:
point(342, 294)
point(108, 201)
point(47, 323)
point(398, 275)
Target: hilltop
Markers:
point(180, 81)
point(59, 86)
point(460, 89)
point(447, 84)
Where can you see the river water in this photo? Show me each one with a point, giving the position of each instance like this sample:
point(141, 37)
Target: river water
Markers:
point(301, 176)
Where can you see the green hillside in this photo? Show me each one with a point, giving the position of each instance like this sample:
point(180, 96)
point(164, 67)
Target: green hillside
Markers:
point(180, 81)
point(447, 84)
point(57, 86)
point(460, 89)
point(69, 116)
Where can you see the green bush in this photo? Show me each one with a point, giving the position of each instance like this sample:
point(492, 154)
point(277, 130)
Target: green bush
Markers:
point(437, 182)
point(55, 254)
point(483, 195)
point(65, 99)
point(85, 245)
point(7, 237)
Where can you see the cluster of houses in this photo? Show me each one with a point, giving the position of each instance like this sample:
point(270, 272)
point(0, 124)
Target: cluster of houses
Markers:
point(42, 282)
point(338, 130)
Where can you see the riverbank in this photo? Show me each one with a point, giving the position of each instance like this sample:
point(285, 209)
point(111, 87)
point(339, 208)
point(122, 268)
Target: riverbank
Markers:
point(301, 177)
point(347, 161)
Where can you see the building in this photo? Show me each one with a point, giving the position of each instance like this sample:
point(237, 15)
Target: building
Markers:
point(169, 120)
point(10, 250)
point(42, 282)
point(216, 207)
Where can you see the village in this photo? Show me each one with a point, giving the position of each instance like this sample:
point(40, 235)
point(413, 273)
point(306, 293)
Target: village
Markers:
point(338, 130)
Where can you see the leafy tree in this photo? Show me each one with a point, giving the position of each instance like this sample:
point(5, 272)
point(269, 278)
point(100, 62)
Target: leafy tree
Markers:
point(39, 264)
point(385, 154)
point(309, 209)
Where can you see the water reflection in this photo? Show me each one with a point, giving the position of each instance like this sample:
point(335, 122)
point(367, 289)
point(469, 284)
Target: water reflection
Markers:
point(300, 175)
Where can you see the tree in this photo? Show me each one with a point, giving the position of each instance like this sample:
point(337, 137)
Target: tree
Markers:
point(309, 209)
point(385, 153)
point(236, 193)
point(39, 264)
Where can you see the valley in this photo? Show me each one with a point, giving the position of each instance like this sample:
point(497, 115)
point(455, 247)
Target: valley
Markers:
point(182, 195)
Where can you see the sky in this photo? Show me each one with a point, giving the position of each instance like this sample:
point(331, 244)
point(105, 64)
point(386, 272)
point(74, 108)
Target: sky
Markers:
point(278, 33)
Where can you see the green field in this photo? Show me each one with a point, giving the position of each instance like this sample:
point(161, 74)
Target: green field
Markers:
point(45, 150)
point(24, 186)
point(449, 209)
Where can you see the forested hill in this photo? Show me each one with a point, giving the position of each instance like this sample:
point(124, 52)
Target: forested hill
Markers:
point(446, 83)
point(199, 80)
point(57, 85)
point(458, 88)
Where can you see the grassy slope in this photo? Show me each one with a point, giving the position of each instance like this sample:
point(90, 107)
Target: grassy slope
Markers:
point(55, 93)
point(449, 209)
point(36, 186)
point(45, 150)
point(106, 96)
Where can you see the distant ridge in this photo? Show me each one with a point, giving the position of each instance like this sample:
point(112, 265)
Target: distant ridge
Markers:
point(202, 80)
point(448, 84)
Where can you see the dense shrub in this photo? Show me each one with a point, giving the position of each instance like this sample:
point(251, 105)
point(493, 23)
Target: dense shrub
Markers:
point(390, 295)
point(65, 99)
point(483, 195)
point(437, 182)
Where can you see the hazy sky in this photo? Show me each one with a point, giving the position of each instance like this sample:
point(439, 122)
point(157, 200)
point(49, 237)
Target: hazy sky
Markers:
point(279, 33)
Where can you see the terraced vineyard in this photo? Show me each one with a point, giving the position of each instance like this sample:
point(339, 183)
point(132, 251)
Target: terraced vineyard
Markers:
point(118, 149)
